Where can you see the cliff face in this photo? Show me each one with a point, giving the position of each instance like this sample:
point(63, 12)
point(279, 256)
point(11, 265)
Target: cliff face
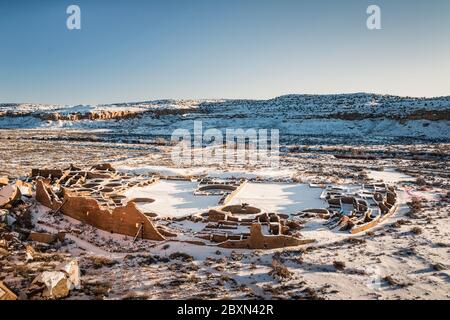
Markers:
point(100, 112)
point(92, 115)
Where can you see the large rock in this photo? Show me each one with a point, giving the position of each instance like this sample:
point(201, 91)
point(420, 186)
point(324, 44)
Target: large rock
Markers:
point(42, 237)
point(30, 253)
point(6, 293)
point(3, 215)
point(4, 181)
point(72, 271)
point(7, 218)
point(26, 189)
point(3, 244)
point(9, 194)
point(51, 285)
point(3, 252)
point(57, 284)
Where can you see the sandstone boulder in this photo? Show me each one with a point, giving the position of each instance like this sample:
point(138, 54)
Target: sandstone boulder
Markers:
point(72, 271)
point(4, 181)
point(30, 253)
point(6, 293)
point(51, 285)
point(57, 284)
point(42, 237)
point(9, 194)
point(3, 253)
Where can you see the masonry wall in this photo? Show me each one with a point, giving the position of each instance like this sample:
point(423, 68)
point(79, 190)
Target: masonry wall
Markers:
point(258, 240)
point(126, 220)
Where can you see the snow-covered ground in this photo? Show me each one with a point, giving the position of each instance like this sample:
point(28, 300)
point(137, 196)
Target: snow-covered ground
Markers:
point(172, 198)
point(406, 256)
point(213, 172)
point(280, 197)
point(389, 175)
point(176, 198)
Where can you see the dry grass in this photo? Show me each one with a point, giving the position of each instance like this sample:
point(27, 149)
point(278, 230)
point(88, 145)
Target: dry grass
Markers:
point(99, 262)
point(339, 265)
point(181, 256)
point(280, 270)
point(399, 223)
point(391, 281)
point(415, 207)
point(97, 289)
point(416, 230)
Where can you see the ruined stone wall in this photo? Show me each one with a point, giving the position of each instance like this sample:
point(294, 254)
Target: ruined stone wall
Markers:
point(123, 220)
point(258, 240)
point(232, 194)
point(126, 220)
point(43, 196)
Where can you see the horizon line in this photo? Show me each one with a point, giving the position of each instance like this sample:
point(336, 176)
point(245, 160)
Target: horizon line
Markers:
point(231, 99)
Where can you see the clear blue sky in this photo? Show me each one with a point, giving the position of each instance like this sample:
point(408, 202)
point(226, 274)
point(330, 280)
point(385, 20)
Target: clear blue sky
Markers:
point(131, 50)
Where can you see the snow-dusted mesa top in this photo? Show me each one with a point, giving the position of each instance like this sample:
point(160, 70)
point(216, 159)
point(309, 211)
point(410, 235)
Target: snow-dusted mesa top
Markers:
point(355, 116)
point(307, 105)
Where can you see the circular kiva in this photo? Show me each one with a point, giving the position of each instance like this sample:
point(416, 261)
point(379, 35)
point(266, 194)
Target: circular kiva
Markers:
point(113, 184)
point(239, 209)
point(283, 215)
point(142, 200)
point(117, 197)
point(217, 187)
point(83, 190)
point(91, 185)
point(151, 214)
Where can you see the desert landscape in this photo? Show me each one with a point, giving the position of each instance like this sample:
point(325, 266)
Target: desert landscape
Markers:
point(92, 205)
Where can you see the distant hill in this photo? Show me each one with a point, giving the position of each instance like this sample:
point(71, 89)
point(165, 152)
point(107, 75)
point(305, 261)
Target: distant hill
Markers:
point(297, 116)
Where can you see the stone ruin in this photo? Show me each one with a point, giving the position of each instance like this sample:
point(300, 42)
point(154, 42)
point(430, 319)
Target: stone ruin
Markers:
point(97, 198)
point(356, 211)
point(225, 189)
point(266, 231)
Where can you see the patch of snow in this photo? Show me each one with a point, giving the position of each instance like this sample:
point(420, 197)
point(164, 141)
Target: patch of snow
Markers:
point(269, 173)
point(172, 198)
point(389, 175)
point(280, 197)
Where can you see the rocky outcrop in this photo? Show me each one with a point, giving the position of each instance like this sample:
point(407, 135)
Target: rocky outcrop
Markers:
point(6, 293)
point(56, 284)
point(92, 115)
point(45, 237)
point(9, 194)
point(4, 181)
